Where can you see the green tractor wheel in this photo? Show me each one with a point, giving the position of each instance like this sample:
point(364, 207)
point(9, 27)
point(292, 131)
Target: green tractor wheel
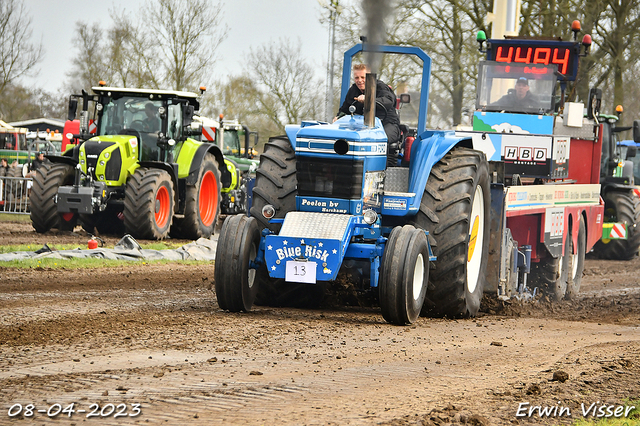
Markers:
point(148, 204)
point(202, 204)
point(44, 212)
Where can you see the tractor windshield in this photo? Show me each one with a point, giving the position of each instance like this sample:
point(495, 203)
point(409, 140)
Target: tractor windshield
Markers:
point(231, 144)
point(523, 88)
point(133, 113)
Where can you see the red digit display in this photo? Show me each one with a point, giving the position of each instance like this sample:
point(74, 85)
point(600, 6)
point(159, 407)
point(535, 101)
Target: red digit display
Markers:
point(545, 52)
point(526, 58)
point(563, 63)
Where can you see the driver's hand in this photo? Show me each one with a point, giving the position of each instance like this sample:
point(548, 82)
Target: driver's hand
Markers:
point(334, 119)
point(360, 99)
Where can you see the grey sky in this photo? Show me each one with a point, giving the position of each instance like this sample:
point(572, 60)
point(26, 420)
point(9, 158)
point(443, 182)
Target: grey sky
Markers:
point(251, 24)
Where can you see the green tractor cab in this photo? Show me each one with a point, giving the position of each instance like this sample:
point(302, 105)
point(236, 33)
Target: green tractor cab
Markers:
point(143, 171)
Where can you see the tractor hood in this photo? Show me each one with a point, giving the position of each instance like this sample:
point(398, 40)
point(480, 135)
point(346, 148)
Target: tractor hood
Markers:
point(107, 157)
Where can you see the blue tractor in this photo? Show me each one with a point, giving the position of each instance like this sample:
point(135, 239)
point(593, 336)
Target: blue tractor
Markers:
point(416, 233)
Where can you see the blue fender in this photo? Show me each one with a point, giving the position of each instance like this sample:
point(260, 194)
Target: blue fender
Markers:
point(429, 148)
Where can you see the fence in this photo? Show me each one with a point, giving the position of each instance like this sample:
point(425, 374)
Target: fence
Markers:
point(14, 194)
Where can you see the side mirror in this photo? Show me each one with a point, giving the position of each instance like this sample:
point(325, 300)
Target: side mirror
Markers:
point(405, 98)
point(73, 107)
point(187, 115)
point(631, 152)
point(636, 131)
point(595, 100)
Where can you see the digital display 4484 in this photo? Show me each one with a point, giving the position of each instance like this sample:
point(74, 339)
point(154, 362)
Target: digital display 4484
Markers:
point(564, 54)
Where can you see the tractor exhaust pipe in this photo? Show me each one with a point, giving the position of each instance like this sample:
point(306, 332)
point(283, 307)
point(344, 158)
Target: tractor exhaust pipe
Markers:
point(370, 100)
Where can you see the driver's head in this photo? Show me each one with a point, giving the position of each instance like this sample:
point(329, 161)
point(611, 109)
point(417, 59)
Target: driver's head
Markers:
point(522, 87)
point(150, 110)
point(360, 75)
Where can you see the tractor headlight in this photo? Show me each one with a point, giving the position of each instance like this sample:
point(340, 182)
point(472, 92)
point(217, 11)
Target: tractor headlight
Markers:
point(106, 155)
point(102, 162)
point(268, 211)
point(370, 217)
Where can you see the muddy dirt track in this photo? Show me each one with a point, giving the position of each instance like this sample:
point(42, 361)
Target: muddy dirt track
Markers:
point(154, 336)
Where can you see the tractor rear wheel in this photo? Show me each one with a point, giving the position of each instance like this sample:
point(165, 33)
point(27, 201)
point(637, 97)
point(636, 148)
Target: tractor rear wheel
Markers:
point(148, 204)
point(404, 273)
point(576, 263)
point(238, 243)
point(44, 213)
point(455, 210)
point(621, 206)
point(550, 274)
point(276, 182)
point(202, 203)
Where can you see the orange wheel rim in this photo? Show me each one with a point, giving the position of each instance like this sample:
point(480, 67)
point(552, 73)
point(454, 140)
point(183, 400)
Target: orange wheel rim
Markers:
point(163, 203)
point(208, 199)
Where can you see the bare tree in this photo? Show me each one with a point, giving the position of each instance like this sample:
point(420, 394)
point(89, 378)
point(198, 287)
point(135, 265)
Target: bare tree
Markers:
point(187, 32)
point(89, 66)
point(288, 91)
point(19, 55)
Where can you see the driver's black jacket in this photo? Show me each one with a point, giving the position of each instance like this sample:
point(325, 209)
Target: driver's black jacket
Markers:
point(384, 96)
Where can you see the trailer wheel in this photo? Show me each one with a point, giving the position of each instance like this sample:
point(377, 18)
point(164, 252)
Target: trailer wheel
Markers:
point(148, 204)
point(404, 273)
point(236, 284)
point(550, 274)
point(455, 210)
point(621, 206)
point(44, 213)
point(276, 182)
point(576, 263)
point(202, 204)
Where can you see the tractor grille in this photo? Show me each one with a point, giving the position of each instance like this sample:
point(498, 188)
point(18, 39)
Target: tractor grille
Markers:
point(330, 178)
point(114, 165)
point(93, 149)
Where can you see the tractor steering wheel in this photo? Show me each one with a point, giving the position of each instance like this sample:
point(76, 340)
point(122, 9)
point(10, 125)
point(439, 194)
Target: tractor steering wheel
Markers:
point(140, 126)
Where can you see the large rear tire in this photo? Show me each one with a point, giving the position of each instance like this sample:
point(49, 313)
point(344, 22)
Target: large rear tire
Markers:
point(576, 263)
point(455, 209)
point(404, 273)
point(236, 283)
point(44, 213)
point(621, 206)
point(276, 182)
point(202, 204)
point(148, 204)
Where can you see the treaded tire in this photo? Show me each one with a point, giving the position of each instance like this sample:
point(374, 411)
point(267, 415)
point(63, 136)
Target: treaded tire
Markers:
point(148, 204)
point(457, 187)
point(235, 282)
point(621, 206)
point(404, 273)
point(276, 181)
point(44, 213)
point(550, 274)
point(202, 203)
point(576, 263)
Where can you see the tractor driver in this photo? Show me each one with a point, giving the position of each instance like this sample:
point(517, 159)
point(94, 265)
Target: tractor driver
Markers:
point(152, 122)
point(385, 97)
point(521, 97)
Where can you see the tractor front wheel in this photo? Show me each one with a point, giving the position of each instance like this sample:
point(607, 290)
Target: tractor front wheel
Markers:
point(238, 243)
point(148, 204)
point(44, 212)
point(404, 273)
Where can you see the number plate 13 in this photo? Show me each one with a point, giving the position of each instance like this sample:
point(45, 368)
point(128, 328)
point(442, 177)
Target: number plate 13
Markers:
point(300, 272)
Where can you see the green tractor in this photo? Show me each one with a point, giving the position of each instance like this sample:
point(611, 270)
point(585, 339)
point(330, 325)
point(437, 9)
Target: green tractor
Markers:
point(621, 229)
point(143, 172)
point(235, 141)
